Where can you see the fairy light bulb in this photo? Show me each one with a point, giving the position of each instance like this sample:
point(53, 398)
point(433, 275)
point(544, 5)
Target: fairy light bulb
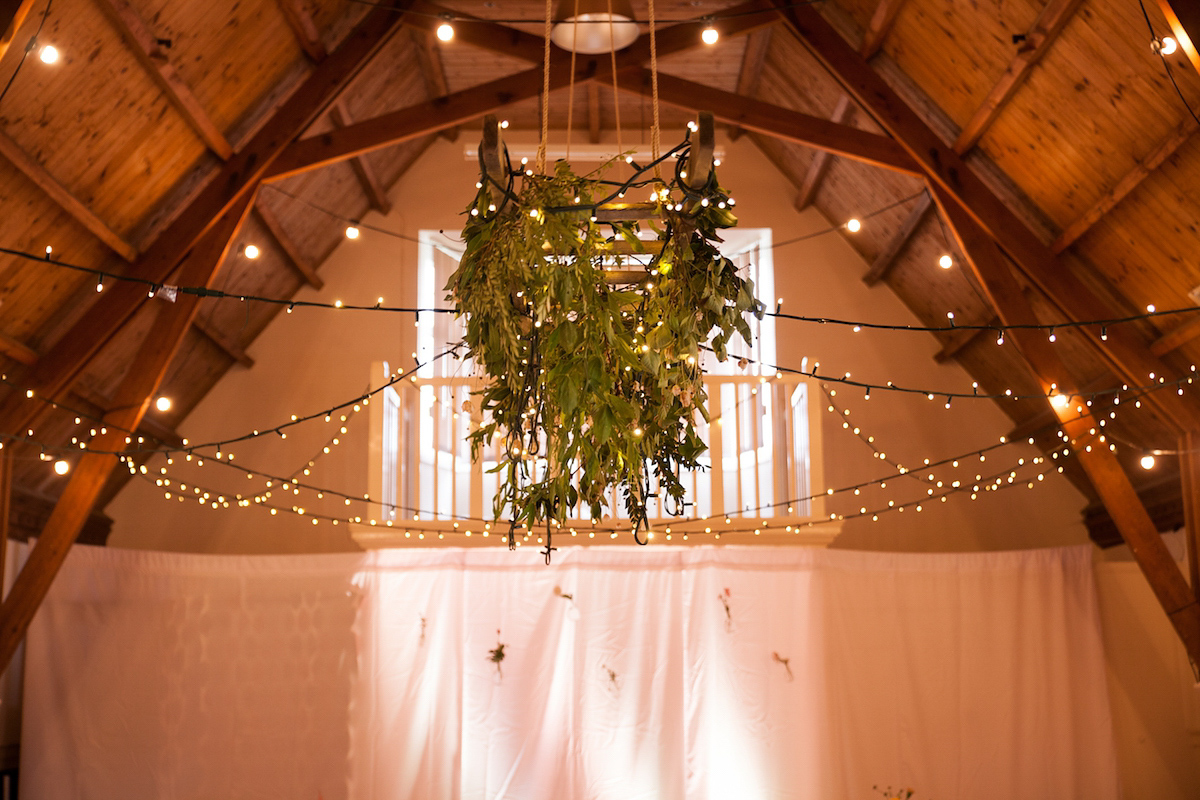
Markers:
point(854, 226)
point(352, 232)
point(445, 32)
point(1147, 461)
point(710, 35)
point(252, 251)
point(49, 55)
point(163, 403)
point(62, 467)
point(1059, 400)
point(946, 262)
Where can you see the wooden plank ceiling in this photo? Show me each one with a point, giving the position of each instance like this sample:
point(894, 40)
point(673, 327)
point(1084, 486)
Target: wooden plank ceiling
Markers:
point(1059, 107)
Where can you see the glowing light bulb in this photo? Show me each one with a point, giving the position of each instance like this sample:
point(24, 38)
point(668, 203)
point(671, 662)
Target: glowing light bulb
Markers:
point(1147, 461)
point(1168, 46)
point(352, 232)
point(252, 251)
point(710, 35)
point(1150, 309)
point(49, 55)
point(62, 467)
point(163, 403)
point(445, 31)
point(854, 226)
point(1059, 400)
point(946, 262)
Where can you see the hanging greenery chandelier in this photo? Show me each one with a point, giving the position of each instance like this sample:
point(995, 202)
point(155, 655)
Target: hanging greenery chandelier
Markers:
point(592, 370)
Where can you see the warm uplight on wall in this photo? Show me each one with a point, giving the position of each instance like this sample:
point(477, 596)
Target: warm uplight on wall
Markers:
point(352, 232)
point(854, 226)
point(49, 55)
point(445, 31)
point(946, 262)
point(251, 251)
point(62, 467)
point(163, 404)
point(1147, 461)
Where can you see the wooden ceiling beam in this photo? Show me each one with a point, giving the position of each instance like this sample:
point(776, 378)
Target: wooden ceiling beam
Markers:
point(17, 351)
point(1173, 339)
point(12, 15)
point(223, 343)
point(151, 53)
point(130, 403)
point(231, 183)
point(303, 29)
point(1189, 473)
point(479, 32)
point(753, 59)
point(1184, 18)
point(291, 253)
point(426, 45)
point(594, 122)
point(879, 26)
point(367, 179)
point(887, 257)
point(820, 162)
point(65, 200)
point(1182, 133)
point(781, 123)
point(1075, 301)
point(83, 399)
point(1109, 479)
point(1036, 43)
point(956, 341)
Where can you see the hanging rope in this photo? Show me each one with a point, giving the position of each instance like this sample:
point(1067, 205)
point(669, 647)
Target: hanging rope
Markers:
point(655, 131)
point(541, 151)
point(612, 51)
point(571, 98)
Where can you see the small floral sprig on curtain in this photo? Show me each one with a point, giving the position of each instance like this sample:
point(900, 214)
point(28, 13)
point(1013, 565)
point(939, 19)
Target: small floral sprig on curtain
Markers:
point(784, 661)
point(496, 654)
point(724, 597)
point(894, 794)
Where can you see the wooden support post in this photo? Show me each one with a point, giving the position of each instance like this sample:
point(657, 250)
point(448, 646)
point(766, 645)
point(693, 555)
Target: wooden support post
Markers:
point(367, 179)
point(224, 343)
point(1189, 473)
point(753, 60)
point(821, 159)
point(17, 351)
point(1132, 179)
point(153, 58)
point(303, 29)
point(6, 508)
point(1054, 17)
point(887, 257)
point(130, 402)
point(879, 26)
point(1112, 484)
point(65, 200)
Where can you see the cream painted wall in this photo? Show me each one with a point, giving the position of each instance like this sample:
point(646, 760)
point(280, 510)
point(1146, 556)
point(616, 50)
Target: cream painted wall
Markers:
point(309, 360)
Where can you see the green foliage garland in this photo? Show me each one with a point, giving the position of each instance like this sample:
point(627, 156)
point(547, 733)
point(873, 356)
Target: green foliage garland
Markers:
point(589, 384)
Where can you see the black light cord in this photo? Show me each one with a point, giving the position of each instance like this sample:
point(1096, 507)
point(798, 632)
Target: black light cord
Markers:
point(29, 48)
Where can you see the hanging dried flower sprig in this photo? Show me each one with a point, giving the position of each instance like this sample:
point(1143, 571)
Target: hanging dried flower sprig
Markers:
point(590, 383)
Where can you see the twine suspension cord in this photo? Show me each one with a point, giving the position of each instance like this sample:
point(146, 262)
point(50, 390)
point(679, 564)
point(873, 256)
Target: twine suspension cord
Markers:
point(571, 98)
point(612, 52)
point(541, 151)
point(655, 131)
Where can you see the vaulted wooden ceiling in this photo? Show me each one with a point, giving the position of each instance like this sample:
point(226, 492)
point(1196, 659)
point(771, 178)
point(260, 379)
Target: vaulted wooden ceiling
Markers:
point(1043, 142)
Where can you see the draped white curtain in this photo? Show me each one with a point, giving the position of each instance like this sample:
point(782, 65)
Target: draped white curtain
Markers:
point(702, 673)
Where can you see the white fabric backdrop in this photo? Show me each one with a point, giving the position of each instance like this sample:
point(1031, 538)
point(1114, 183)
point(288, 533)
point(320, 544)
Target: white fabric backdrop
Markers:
point(368, 676)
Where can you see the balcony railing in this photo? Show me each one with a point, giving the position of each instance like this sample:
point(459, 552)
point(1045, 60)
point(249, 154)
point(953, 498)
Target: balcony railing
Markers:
point(758, 473)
